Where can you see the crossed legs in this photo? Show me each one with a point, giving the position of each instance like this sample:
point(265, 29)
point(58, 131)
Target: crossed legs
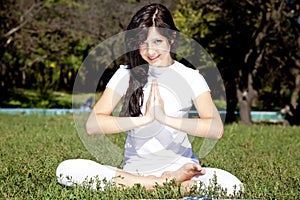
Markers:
point(87, 172)
point(182, 175)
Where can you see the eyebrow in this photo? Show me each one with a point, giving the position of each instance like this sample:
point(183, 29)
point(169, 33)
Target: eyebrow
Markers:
point(156, 38)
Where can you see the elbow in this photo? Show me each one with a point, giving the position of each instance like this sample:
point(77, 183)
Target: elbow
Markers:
point(216, 132)
point(92, 127)
point(89, 129)
point(219, 128)
point(220, 133)
point(92, 130)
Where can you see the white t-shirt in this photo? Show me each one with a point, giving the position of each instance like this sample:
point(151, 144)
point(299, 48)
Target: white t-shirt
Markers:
point(155, 148)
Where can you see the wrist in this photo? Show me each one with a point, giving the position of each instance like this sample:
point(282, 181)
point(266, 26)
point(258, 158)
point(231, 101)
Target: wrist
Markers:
point(163, 119)
point(146, 119)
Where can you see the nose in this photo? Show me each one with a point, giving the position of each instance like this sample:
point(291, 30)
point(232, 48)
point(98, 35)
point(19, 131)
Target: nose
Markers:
point(151, 51)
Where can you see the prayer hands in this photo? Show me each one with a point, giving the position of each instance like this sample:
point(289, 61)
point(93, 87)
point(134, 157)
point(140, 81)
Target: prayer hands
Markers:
point(155, 105)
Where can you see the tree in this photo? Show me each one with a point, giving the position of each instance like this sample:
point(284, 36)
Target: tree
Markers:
point(242, 37)
point(43, 43)
point(34, 40)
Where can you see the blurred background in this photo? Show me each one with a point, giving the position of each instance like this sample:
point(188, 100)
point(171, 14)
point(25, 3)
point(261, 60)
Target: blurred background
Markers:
point(254, 43)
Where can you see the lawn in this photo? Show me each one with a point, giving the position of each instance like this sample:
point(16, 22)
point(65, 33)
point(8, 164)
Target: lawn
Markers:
point(265, 157)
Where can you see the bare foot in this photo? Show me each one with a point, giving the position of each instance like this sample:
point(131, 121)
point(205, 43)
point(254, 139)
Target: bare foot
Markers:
point(184, 173)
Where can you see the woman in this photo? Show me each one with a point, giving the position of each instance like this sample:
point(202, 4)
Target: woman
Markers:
point(157, 93)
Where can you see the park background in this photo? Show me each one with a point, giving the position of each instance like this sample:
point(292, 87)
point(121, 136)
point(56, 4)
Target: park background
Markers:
point(255, 45)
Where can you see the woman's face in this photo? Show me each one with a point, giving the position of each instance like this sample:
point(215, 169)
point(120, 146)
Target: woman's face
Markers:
point(156, 49)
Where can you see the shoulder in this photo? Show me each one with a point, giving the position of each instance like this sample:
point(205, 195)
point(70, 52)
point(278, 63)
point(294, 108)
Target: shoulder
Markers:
point(122, 71)
point(185, 71)
point(120, 80)
point(193, 77)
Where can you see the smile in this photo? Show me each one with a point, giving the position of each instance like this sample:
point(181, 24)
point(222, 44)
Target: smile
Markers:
point(153, 58)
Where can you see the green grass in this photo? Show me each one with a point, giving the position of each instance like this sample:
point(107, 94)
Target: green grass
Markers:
point(265, 157)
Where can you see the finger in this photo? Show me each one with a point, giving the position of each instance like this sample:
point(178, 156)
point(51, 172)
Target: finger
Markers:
point(157, 93)
point(153, 90)
point(150, 95)
point(155, 87)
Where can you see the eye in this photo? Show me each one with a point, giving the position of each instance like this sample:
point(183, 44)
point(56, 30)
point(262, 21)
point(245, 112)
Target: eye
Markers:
point(158, 41)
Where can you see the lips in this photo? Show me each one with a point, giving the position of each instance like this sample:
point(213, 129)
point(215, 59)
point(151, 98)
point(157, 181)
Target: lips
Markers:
point(152, 58)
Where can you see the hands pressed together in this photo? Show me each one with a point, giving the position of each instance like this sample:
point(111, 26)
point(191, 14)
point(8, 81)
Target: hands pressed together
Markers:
point(155, 105)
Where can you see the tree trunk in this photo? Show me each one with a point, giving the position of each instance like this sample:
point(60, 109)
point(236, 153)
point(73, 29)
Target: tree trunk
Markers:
point(245, 99)
point(245, 109)
point(296, 91)
point(295, 95)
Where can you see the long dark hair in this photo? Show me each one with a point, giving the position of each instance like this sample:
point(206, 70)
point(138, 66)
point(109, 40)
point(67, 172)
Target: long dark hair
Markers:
point(153, 15)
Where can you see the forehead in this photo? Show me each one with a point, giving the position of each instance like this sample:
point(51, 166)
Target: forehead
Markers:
point(154, 33)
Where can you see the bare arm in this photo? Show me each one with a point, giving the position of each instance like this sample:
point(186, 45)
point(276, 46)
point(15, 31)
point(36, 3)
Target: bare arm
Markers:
point(101, 121)
point(209, 125)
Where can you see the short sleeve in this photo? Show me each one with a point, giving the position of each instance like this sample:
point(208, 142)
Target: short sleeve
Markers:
point(119, 82)
point(199, 84)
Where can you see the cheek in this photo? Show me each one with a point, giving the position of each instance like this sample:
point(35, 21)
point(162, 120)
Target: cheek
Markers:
point(142, 53)
point(165, 48)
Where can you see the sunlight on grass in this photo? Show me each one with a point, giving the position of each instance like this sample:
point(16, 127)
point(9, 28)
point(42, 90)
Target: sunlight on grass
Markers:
point(265, 157)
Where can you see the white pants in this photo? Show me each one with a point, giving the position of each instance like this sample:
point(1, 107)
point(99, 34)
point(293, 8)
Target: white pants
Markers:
point(85, 173)
point(223, 178)
point(88, 173)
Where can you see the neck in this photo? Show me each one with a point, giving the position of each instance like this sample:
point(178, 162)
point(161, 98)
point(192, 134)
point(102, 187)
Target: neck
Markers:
point(167, 64)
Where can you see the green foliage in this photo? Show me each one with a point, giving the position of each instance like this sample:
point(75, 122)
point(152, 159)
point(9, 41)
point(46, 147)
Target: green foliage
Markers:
point(20, 98)
point(264, 157)
point(192, 20)
point(53, 37)
point(253, 43)
point(47, 51)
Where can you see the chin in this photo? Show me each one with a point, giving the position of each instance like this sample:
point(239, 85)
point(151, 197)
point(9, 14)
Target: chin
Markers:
point(154, 64)
point(157, 63)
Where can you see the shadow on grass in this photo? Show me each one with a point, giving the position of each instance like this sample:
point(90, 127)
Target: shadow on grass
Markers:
point(20, 98)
